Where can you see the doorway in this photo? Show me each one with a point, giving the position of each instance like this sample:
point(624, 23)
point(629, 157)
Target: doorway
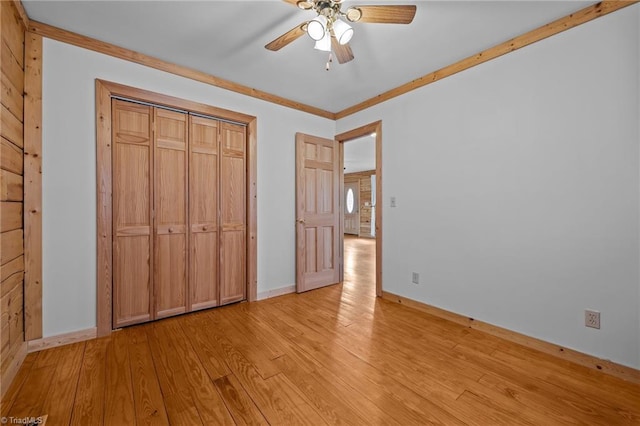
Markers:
point(361, 214)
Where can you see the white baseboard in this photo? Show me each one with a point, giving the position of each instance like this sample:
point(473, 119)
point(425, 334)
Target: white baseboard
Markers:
point(277, 292)
point(62, 339)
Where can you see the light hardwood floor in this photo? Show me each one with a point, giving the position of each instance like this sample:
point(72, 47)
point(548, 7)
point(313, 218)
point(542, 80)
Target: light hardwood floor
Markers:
point(336, 355)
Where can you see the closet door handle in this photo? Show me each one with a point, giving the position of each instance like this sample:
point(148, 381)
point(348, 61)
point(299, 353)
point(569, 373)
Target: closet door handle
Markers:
point(204, 228)
point(170, 230)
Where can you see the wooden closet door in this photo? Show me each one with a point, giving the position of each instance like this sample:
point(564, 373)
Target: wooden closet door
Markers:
point(132, 213)
point(203, 212)
point(233, 213)
point(170, 213)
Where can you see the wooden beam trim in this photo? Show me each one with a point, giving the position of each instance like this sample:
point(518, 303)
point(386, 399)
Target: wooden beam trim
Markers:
point(571, 355)
point(361, 131)
point(64, 36)
point(33, 187)
point(104, 231)
point(570, 21)
point(252, 212)
point(379, 211)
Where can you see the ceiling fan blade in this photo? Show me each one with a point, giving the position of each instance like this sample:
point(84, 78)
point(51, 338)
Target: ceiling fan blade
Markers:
point(287, 37)
point(389, 14)
point(343, 51)
point(304, 5)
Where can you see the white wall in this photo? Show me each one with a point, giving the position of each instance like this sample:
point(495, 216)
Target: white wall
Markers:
point(69, 175)
point(517, 186)
point(637, 8)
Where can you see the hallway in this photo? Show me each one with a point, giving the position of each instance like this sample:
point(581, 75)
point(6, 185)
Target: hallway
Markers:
point(360, 265)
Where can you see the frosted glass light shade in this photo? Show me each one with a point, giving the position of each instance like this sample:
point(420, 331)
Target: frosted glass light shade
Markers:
point(324, 43)
point(342, 31)
point(317, 27)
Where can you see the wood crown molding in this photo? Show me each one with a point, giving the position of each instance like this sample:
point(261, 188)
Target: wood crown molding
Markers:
point(570, 21)
point(84, 42)
point(580, 358)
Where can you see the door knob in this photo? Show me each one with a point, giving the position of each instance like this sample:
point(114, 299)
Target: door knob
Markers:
point(301, 221)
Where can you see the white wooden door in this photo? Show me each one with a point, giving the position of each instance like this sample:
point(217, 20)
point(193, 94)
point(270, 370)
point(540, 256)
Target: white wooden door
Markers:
point(317, 212)
point(352, 208)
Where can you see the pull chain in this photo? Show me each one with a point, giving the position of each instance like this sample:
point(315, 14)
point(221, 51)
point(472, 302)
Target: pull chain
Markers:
point(328, 66)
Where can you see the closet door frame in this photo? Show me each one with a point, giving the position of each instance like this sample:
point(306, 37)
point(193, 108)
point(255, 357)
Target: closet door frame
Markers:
point(105, 90)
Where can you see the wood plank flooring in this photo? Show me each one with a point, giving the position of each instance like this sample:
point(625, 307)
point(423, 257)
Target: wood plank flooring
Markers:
point(337, 355)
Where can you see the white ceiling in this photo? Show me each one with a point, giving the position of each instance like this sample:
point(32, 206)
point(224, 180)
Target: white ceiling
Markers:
point(227, 38)
point(360, 154)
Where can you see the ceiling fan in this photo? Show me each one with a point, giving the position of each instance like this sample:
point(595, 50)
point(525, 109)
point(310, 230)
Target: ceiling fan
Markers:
point(332, 33)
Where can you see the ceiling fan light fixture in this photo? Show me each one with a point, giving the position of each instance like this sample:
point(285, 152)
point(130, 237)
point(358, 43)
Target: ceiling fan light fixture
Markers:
point(317, 27)
point(353, 14)
point(342, 31)
point(324, 44)
point(331, 29)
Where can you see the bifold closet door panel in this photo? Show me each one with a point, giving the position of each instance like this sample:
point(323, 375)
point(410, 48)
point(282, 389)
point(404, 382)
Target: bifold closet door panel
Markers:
point(233, 213)
point(203, 211)
point(132, 213)
point(170, 213)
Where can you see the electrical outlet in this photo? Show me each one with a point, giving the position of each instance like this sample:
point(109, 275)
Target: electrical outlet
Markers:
point(592, 318)
point(393, 201)
point(415, 278)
